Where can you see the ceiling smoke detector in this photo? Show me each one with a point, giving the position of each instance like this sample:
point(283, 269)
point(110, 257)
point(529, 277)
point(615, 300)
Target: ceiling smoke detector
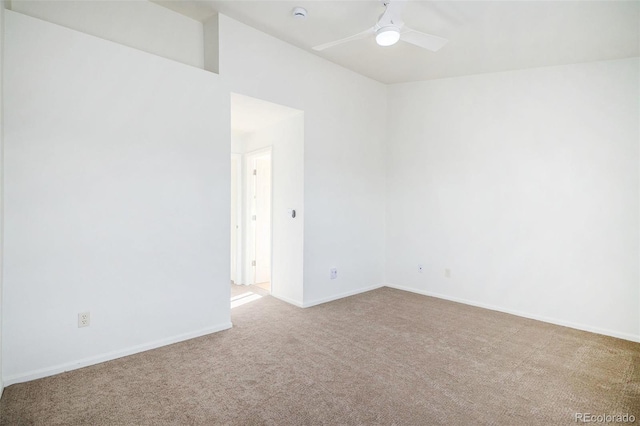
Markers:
point(299, 12)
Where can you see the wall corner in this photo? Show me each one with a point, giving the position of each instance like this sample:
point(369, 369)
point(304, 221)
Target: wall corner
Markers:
point(211, 44)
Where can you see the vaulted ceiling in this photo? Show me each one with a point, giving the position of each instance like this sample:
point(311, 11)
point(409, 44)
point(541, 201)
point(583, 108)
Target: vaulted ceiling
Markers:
point(484, 36)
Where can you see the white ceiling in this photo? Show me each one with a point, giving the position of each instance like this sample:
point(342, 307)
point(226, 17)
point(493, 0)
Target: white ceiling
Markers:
point(250, 114)
point(484, 36)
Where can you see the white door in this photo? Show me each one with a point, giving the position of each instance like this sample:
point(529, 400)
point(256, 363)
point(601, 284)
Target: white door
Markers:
point(263, 219)
point(259, 217)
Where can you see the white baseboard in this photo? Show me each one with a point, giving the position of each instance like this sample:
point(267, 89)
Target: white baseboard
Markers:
point(340, 296)
point(288, 300)
point(50, 371)
point(577, 326)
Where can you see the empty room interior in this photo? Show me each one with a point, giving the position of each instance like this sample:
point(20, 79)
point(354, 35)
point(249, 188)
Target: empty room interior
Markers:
point(319, 212)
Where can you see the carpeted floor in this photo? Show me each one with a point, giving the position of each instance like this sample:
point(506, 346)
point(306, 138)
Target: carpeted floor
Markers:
point(383, 357)
point(240, 290)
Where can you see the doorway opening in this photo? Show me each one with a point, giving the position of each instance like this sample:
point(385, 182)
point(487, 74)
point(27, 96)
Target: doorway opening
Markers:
point(267, 195)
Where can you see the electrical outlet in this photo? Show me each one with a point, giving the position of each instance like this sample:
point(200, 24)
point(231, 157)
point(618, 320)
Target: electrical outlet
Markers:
point(447, 273)
point(334, 273)
point(420, 268)
point(84, 319)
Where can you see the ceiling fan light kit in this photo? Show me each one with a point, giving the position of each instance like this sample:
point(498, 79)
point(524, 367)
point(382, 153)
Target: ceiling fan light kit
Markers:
point(387, 36)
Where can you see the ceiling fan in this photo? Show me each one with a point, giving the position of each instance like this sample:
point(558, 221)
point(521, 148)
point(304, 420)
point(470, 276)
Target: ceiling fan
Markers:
point(390, 28)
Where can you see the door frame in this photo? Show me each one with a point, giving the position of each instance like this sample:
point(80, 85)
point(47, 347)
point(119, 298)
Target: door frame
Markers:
point(249, 272)
point(240, 231)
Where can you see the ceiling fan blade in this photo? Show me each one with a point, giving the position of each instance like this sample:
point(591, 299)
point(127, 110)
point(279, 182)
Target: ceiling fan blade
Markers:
point(358, 36)
point(426, 41)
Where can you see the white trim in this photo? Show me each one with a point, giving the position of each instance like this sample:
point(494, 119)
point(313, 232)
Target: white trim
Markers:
point(288, 300)
point(577, 326)
point(109, 356)
point(240, 233)
point(340, 296)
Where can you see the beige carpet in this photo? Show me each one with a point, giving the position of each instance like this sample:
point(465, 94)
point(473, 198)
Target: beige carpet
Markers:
point(265, 286)
point(382, 357)
point(240, 290)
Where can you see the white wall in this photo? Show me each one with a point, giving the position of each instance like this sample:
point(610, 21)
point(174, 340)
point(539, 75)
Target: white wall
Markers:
point(139, 24)
point(238, 141)
point(286, 138)
point(344, 134)
point(2, 7)
point(525, 185)
point(210, 44)
point(117, 193)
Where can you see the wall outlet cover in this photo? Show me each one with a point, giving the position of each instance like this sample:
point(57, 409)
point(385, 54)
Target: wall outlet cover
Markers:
point(84, 319)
